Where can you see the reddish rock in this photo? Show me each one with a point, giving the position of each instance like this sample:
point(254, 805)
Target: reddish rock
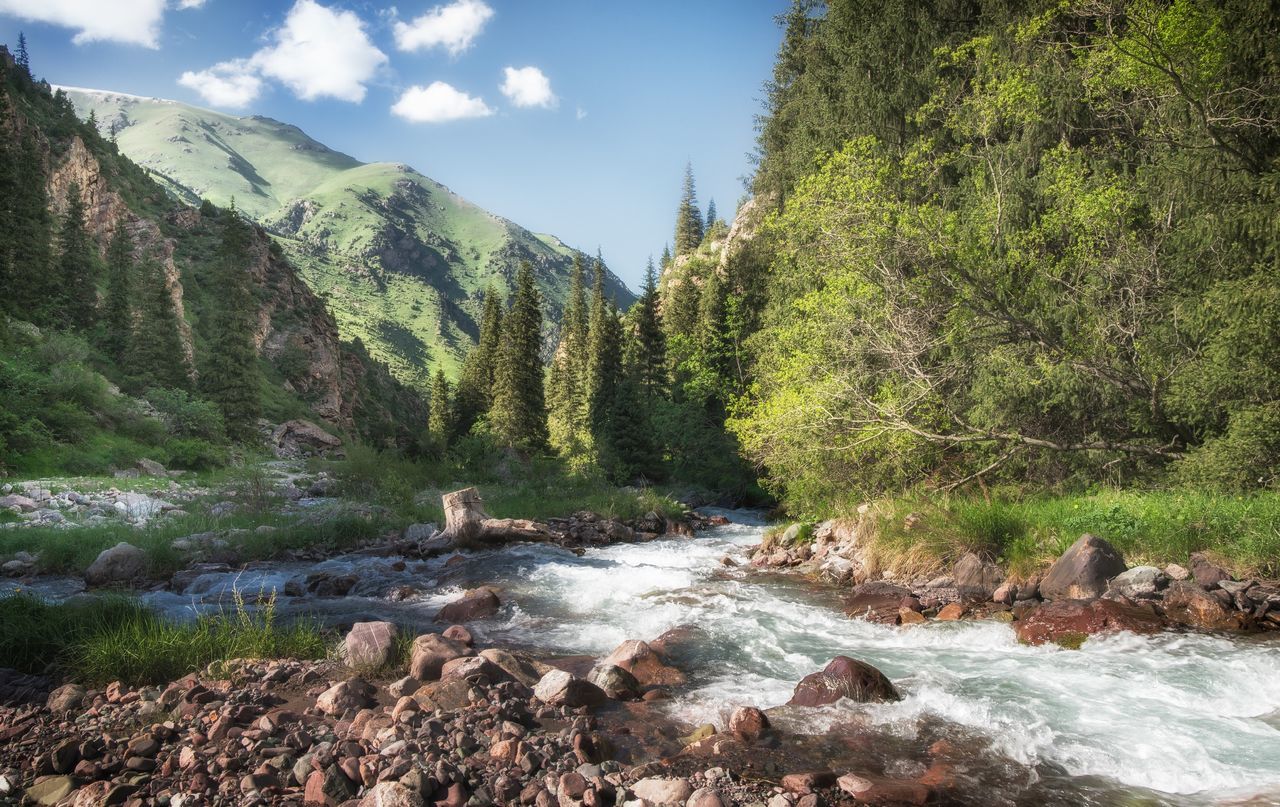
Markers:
point(463, 669)
point(1189, 604)
point(477, 603)
point(844, 678)
point(639, 659)
point(749, 723)
point(1083, 571)
point(341, 698)
point(459, 634)
point(370, 644)
point(876, 602)
point(1068, 622)
point(1207, 573)
point(808, 781)
point(906, 616)
point(430, 652)
point(951, 612)
point(876, 790)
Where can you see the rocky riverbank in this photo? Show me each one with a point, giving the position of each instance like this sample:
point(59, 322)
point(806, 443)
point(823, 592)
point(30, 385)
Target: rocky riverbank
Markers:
point(1088, 590)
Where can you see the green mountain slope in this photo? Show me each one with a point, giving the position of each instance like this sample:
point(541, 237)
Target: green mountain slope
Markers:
point(402, 260)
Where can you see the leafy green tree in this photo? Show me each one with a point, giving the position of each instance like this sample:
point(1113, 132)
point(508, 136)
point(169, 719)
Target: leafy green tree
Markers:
point(77, 268)
point(688, 218)
point(519, 415)
point(232, 376)
point(476, 384)
point(440, 423)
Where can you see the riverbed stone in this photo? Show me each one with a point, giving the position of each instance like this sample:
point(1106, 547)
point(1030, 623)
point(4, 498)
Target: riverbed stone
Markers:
point(1138, 583)
point(616, 682)
point(520, 667)
point(641, 660)
point(976, 577)
point(749, 723)
point(844, 677)
point(877, 601)
point(706, 797)
point(391, 794)
point(429, 654)
point(1069, 622)
point(1083, 571)
point(663, 790)
point(370, 644)
point(561, 688)
point(1187, 603)
point(65, 698)
point(50, 790)
point(877, 790)
point(345, 696)
point(122, 564)
point(475, 604)
point(470, 667)
point(1207, 573)
point(18, 503)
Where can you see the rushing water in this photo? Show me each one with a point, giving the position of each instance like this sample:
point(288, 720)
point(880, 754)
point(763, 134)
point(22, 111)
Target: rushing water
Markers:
point(1177, 718)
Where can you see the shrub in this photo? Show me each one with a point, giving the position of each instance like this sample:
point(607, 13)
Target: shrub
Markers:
point(189, 416)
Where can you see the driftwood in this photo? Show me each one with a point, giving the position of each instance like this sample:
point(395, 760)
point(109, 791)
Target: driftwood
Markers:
point(466, 522)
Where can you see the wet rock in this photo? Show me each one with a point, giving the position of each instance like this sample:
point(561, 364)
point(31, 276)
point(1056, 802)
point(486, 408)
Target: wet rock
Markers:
point(1138, 583)
point(475, 604)
point(459, 634)
point(65, 698)
point(658, 790)
point(391, 794)
point(976, 578)
point(1207, 573)
point(876, 602)
point(844, 677)
point(808, 781)
point(1069, 622)
point(122, 564)
point(560, 688)
point(616, 682)
point(680, 644)
point(370, 644)
point(876, 790)
point(1187, 603)
point(430, 652)
point(1082, 572)
point(910, 616)
point(749, 723)
point(951, 612)
point(638, 658)
point(345, 696)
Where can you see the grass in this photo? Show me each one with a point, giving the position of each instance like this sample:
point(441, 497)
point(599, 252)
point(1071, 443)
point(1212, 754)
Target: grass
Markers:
point(1027, 534)
point(111, 639)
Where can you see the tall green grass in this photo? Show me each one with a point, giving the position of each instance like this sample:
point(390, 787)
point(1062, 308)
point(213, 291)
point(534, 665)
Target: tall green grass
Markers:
point(108, 639)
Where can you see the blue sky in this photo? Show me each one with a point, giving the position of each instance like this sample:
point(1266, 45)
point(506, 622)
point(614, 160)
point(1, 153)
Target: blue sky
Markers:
point(585, 136)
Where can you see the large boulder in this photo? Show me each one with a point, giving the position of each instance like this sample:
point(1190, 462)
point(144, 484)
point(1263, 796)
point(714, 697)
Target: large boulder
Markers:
point(1069, 622)
point(369, 644)
point(471, 667)
point(1187, 603)
point(1083, 571)
point(18, 503)
point(121, 565)
point(878, 601)
point(477, 603)
point(616, 682)
point(976, 578)
point(391, 794)
point(560, 688)
point(1139, 583)
point(639, 658)
point(430, 652)
point(844, 677)
point(302, 438)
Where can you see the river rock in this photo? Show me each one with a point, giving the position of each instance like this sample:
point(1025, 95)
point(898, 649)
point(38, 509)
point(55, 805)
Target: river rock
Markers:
point(638, 658)
point(65, 698)
point(430, 652)
point(976, 578)
point(1189, 604)
point(17, 502)
point(1207, 573)
point(877, 601)
point(616, 682)
point(122, 564)
point(470, 667)
point(680, 644)
point(49, 791)
point(659, 790)
point(1138, 583)
point(517, 665)
point(459, 634)
point(1082, 572)
point(560, 688)
point(1069, 622)
point(844, 677)
point(706, 797)
point(420, 532)
point(345, 696)
point(477, 603)
point(151, 467)
point(370, 644)
point(391, 794)
point(877, 790)
point(749, 723)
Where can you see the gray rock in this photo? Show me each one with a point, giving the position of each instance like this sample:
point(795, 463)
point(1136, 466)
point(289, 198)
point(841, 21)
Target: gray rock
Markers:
point(616, 682)
point(1138, 583)
point(976, 578)
point(1083, 571)
point(150, 467)
point(370, 644)
point(560, 688)
point(122, 564)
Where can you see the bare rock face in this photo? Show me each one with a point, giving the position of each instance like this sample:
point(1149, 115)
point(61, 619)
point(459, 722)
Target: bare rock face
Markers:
point(122, 565)
point(1083, 571)
point(976, 577)
point(1069, 622)
point(477, 603)
point(844, 677)
point(301, 438)
point(430, 652)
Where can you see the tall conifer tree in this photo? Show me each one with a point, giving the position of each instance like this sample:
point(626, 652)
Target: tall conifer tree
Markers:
point(440, 422)
point(519, 415)
point(474, 395)
point(117, 313)
point(156, 355)
point(651, 343)
point(231, 376)
point(77, 265)
point(688, 217)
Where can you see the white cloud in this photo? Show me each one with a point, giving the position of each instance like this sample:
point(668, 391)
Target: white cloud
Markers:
point(130, 22)
point(528, 86)
point(453, 27)
point(581, 113)
point(321, 52)
point(186, 4)
point(230, 84)
point(438, 103)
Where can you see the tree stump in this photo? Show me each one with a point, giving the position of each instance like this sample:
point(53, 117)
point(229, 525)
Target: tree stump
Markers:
point(464, 515)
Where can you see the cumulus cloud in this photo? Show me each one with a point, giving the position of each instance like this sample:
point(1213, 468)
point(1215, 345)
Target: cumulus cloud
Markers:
point(439, 103)
point(321, 52)
point(186, 4)
point(528, 86)
point(453, 27)
point(130, 22)
point(230, 84)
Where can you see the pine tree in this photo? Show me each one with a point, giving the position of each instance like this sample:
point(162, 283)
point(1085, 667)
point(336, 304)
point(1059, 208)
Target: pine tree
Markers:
point(711, 215)
point(651, 343)
point(231, 375)
point(77, 268)
point(666, 258)
point(474, 395)
point(32, 289)
point(440, 422)
point(117, 313)
point(518, 415)
point(156, 356)
point(23, 59)
point(566, 393)
point(688, 217)
point(604, 359)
